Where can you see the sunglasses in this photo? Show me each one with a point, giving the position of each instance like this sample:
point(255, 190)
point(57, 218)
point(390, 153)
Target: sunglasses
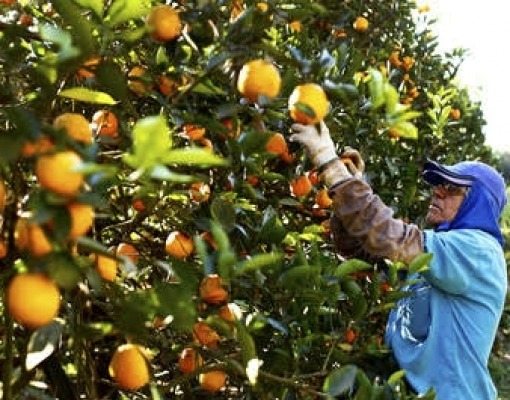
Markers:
point(447, 189)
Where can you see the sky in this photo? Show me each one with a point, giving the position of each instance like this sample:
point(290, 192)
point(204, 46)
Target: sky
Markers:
point(482, 28)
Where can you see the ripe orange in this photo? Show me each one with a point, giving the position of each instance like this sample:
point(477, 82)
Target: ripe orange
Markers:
point(300, 186)
point(200, 192)
point(296, 26)
point(455, 114)
point(42, 145)
point(360, 24)
point(57, 172)
point(25, 20)
point(164, 23)
point(206, 335)
point(259, 78)
point(105, 123)
point(3, 249)
point(31, 237)
point(407, 63)
point(88, 68)
point(128, 250)
point(253, 180)
point(166, 85)
point(322, 199)
point(193, 132)
point(233, 127)
point(139, 205)
point(212, 381)
point(137, 80)
point(82, 218)
point(350, 335)
point(262, 6)
point(33, 299)
point(394, 59)
point(314, 177)
point(209, 239)
point(230, 312)
point(206, 144)
point(212, 290)
point(106, 267)
point(129, 367)
point(313, 97)
point(76, 126)
point(3, 195)
point(179, 245)
point(339, 33)
point(277, 144)
point(190, 360)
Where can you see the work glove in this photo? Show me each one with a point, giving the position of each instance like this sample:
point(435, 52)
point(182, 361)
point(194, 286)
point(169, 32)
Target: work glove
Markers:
point(353, 161)
point(322, 152)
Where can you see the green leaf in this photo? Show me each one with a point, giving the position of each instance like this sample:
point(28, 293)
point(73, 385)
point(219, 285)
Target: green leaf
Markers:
point(376, 88)
point(340, 381)
point(124, 10)
point(405, 129)
point(420, 263)
point(223, 212)
point(94, 5)
point(112, 80)
point(63, 269)
point(63, 39)
point(391, 97)
point(88, 96)
point(350, 266)
point(208, 88)
point(194, 156)
point(364, 386)
point(43, 343)
point(176, 300)
point(272, 229)
point(396, 377)
point(248, 349)
point(258, 262)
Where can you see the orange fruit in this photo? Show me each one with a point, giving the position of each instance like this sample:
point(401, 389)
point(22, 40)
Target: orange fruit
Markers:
point(259, 78)
point(277, 145)
point(212, 381)
point(82, 219)
point(106, 267)
point(314, 98)
point(407, 63)
point(394, 59)
point(455, 114)
point(31, 237)
point(129, 368)
point(206, 144)
point(3, 249)
point(42, 145)
point(33, 299)
point(300, 186)
point(212, 290)
point(262, 6)
point(25, 20)
point(193, 132)
point(360, 24)
point(88, 68)
point(128, 250)
point(253, 180)
point(322, 199)
point(137, 80)
point(3, 195)
point(314, 177)
point(233, 127)
point(350, 336)
point(164, 23)
point(200, 192)
point(206, 335)
point(139, 205)
point(339, 33)
point(105, 123)
point(57, 172)
point(189, 360)
point(230, 312)
point(179, 245)
point(295, 26)
point(166, 85)
point(76, 126)
point(209, 239)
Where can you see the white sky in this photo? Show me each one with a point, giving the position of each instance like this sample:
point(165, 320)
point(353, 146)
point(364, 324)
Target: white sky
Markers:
point(483, 28)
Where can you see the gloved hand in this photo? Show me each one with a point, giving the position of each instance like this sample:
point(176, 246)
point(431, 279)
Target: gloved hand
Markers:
point(322, 151)
point(353, 161)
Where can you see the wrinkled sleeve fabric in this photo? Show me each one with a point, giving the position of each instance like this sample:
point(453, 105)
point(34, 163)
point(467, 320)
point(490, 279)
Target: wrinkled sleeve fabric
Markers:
point(367, 220)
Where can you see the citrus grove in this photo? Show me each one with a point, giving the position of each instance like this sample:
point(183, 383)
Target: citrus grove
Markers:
point(162, 238)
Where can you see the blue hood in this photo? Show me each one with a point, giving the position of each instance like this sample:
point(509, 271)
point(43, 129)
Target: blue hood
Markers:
point(485, 200)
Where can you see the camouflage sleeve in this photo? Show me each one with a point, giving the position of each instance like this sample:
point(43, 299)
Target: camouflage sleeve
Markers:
point(362, 219)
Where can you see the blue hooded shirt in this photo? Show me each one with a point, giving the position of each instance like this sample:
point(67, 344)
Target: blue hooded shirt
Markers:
point(442, 334)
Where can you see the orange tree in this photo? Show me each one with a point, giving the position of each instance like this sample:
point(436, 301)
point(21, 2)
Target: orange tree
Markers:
point(160, 235)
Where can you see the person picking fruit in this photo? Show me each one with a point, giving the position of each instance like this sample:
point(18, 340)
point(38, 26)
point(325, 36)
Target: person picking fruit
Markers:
point(443, 332)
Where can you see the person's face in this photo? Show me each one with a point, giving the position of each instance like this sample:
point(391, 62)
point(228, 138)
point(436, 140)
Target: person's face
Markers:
point(445, 202)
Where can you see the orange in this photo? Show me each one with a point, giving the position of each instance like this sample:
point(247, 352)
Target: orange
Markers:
point(106, 267)
point(105, 123)
point(296, 26)
point(76, 126)
point(3, 195)
point(82, 218)
point(40, 146)
point(164, 23)
point(129, 367)
point(300, 186)
point(31, 237)
point(206, 144)
point(33, 299)
point(3, 249)
point(360, 24)
point(179, 245)
point(128, 250)
point(209, 239)
point(139, 205)
point(58, 172)
point(314, 177)
point(262, 6)
point(350, 336)
point(166, 85)
point(25, 20)
point(137, 80)
point(407, 63)
point(230, 312)
point(189, 360)
point(206, 335)
point(7, 2)
point(277, 144)
point(394, 59)
point(322, 199)
point(455, 114)
point(88, 69)
point(193, 132)
point(253, 180)
point(259, 78)
point(212, 381)
point(313, 97)
point(200, 192)
point(233, 127)
point(212, 290)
